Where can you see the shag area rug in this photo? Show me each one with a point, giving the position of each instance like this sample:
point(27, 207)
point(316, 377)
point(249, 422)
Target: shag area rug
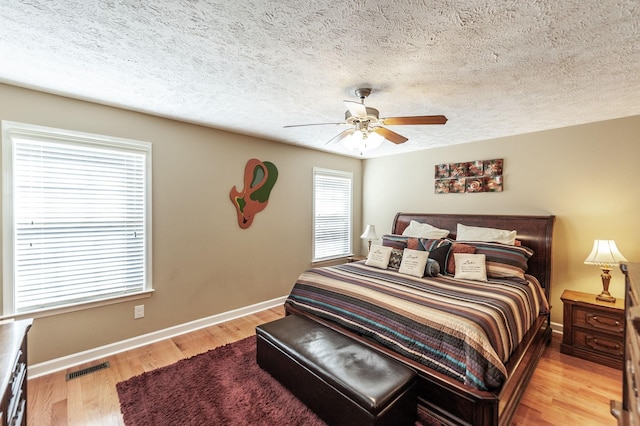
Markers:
point(224, 386)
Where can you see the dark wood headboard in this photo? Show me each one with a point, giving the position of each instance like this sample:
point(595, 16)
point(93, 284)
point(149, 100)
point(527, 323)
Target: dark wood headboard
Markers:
point(533, 231)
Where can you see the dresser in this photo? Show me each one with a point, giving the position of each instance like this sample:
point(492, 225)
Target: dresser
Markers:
point(13, 372)
point(627, 411)
point(592, 329)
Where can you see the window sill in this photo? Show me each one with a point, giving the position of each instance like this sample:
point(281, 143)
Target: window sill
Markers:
point(79, 306)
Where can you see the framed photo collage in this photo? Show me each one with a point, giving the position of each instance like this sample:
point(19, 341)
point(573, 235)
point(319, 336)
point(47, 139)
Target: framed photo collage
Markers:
point(470, 176)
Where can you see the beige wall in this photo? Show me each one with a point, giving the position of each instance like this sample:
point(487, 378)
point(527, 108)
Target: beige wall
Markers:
point(587, 176)
point(203, 262)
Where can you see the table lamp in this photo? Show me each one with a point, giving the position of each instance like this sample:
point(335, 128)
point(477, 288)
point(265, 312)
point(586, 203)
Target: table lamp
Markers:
point(605, 254)
point(369, 234)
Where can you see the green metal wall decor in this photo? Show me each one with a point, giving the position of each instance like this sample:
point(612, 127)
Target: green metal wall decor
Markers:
point(259, 179)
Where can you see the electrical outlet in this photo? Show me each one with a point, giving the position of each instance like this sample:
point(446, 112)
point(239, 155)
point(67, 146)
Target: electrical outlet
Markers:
point(138, 311)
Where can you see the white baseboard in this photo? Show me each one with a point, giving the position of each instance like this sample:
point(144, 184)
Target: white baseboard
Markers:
point(556, 327)
point(101, 352)
point(68, 361)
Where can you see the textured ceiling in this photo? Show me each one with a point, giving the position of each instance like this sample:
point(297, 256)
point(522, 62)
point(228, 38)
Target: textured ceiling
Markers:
point(494, 67)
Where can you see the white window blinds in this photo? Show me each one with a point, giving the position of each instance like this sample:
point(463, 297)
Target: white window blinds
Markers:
point(332, 214)
point(78, 219)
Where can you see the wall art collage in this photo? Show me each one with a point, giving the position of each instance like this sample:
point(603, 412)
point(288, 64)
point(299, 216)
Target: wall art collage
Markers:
point(470, 176)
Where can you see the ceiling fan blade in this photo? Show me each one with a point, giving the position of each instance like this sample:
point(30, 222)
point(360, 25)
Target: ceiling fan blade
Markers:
point(340, 136)
point(390, 136)
point(313, 124)
point(356, 109)
point(418, 119)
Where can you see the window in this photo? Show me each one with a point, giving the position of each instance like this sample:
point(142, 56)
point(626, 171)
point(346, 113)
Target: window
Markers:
point(331, 214)
point(76, 218)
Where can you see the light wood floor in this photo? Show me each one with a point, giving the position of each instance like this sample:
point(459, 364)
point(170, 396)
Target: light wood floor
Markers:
point(564, 390)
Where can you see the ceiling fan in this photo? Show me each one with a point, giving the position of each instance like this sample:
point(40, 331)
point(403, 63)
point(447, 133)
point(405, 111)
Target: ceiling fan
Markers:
point(367, 129)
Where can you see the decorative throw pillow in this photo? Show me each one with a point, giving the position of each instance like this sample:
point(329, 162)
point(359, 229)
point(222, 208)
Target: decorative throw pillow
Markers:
point(424, 230)
point(395, 241)
point(503, 261)
point(477, 233)
point(378, 256)
point(414, 243)
point(413, 262)
point(439, 254)
point(395, 259)
point(470, 267)
point(457, 248)
point(432, 269)
point(429, 244)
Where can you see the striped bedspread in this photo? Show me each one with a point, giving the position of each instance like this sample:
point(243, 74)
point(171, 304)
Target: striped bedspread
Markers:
point(464, 329)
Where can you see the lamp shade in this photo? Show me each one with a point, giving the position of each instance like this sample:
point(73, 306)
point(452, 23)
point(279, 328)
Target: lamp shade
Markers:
point(370, 233)
point(604, 253)
point(363, 141)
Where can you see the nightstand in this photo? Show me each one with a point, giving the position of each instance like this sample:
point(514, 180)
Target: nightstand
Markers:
point(593, 330)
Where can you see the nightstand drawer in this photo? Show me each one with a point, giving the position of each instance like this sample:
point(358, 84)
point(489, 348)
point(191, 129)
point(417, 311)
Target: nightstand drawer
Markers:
point(600, 321)
point(599, 343)
point(593, 329)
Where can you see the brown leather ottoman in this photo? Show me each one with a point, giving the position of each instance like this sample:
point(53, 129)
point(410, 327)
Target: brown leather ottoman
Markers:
point(343, 381)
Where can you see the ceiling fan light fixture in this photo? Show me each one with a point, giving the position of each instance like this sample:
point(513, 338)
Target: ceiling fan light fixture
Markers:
point(363, 141)
point(367, 130)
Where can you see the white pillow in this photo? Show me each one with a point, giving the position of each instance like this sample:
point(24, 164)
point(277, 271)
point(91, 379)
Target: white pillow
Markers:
point(413, 262)
point(379, 256)
point(470, 266)
point(424, 230)
point(490, 235)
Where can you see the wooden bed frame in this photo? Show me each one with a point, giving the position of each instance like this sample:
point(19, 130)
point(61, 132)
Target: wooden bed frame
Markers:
point(448, 400)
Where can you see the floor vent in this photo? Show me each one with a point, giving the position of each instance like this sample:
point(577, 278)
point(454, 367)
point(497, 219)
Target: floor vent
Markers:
point(88, 370)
